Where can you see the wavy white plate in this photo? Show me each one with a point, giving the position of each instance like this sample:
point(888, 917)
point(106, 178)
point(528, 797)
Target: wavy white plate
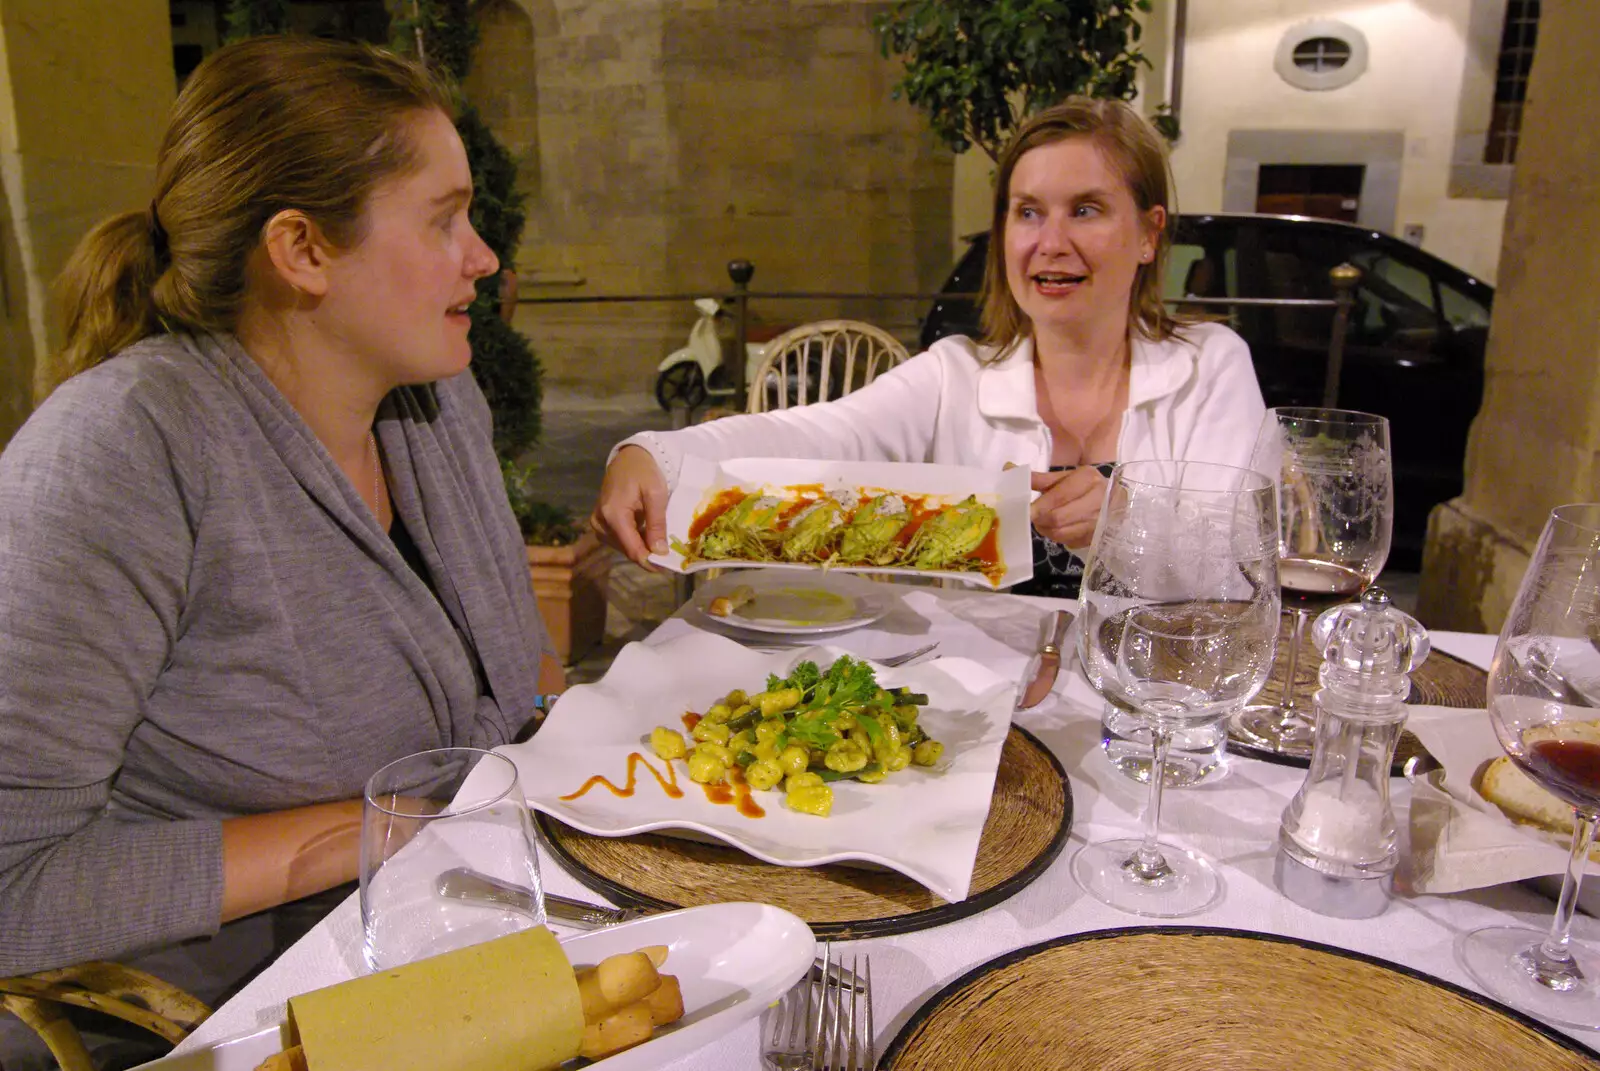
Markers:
point(797, 604)
point(923, 822)
point(732, 960)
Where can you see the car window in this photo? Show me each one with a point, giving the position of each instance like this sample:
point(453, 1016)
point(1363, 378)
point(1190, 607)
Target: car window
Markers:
point(1411, 282)
point(1194, 270)
point(1183, 270)
point(1460, 311)
point(1394, 304)
point(1294, 264)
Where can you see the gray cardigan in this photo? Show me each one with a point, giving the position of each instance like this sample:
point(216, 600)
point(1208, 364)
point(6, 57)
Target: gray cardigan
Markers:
point(200, 618)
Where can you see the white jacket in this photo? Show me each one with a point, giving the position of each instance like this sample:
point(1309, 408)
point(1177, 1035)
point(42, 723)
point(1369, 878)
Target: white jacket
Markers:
point(1194, 398)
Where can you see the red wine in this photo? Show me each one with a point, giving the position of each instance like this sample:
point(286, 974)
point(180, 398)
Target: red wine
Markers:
point(1569, 768)
point(1314, 586)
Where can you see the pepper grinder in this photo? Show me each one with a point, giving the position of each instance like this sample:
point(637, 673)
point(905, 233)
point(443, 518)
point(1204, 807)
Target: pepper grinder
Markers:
point(1336, 845)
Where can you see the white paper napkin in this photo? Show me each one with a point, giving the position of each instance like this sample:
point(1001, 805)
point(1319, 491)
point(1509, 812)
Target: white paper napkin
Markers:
point(1459, 840)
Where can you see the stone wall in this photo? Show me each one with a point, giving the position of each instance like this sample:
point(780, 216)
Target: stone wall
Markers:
point(85, 87)
point(660, 139)
point(1536, 442)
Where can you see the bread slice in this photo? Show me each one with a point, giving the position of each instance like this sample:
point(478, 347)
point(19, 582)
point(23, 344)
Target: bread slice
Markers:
point(1526, 802)
point(723, 605)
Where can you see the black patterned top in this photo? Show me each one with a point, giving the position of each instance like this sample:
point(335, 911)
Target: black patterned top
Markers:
point(1057, 572)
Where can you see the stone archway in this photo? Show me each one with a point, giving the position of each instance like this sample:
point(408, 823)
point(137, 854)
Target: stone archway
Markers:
point(503, 81)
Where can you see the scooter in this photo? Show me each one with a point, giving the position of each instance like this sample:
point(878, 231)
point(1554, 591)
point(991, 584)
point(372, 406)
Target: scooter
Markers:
point(691, 375)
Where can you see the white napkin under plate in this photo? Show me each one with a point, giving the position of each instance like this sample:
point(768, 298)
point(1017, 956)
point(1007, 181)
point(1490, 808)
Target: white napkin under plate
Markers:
point(1459, 840)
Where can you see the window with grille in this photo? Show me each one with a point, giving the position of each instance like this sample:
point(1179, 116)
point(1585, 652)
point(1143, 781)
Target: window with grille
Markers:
point(1321, 54)
point(1511, 80)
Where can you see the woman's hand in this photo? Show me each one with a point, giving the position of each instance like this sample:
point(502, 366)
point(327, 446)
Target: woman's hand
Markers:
point(1068, 506)
point(632, 512)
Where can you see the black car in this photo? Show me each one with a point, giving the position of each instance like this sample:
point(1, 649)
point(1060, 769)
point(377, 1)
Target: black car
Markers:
point(1413, 353)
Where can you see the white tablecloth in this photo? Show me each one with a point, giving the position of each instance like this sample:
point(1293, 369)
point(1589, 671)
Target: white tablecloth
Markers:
point(1234, 821)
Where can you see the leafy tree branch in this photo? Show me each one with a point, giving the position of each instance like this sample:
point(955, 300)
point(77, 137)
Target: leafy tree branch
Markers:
point(979, 67)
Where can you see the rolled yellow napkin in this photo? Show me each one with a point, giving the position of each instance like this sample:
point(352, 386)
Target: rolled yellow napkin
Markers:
point(510, 1004)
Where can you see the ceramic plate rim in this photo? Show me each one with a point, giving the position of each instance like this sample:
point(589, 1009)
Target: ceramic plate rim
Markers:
point(870, 605)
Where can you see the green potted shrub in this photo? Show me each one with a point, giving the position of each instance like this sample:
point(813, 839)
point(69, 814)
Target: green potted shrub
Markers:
point(567, 565)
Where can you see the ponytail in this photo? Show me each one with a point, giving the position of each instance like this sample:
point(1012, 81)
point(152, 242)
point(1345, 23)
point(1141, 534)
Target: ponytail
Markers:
point(262, 125)
point(107, 295)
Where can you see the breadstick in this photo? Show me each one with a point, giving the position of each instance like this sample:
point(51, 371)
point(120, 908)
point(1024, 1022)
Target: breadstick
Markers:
point(626, 978)
point(293, 1059)
point(666, 1002)
point(620, 1030)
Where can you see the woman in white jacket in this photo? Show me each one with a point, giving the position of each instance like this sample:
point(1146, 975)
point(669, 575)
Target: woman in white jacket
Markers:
point(1081, 365)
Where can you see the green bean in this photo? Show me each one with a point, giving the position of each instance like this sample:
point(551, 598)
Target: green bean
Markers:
point(745, 720)
point(836, 775)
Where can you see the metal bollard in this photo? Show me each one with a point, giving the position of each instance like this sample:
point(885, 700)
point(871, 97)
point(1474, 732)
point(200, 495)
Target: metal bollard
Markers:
point(1345, 277)
point(740, 271)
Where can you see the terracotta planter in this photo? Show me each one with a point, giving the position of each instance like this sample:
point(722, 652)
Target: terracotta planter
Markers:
point(570, 584)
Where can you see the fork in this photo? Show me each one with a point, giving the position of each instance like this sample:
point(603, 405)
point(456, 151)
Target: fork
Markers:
point(890, 662)
point(840, 1035)
point(788, 1027)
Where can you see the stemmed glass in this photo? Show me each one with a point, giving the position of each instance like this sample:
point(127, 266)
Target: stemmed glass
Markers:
point(1336, 514)
point(1180, 618)
point(1542, 698)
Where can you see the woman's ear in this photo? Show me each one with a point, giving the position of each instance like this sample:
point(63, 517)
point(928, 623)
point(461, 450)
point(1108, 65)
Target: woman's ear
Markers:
point(1155, 219)
point(299, 252)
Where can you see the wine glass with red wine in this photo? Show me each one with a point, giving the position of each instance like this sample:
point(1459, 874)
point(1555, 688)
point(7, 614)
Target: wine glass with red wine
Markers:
point(1335, 481)
point(1542, 703)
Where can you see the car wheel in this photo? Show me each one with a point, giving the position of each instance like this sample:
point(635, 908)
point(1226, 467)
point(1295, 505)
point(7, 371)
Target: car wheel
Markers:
point(682, 384)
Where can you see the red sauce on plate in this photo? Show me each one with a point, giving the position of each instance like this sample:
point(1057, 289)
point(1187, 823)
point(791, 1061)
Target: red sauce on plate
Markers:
point(669, 783)
point(725, 500)
point(735, 792)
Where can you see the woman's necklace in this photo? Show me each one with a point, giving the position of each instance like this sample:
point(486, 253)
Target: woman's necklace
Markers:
point(377, 483)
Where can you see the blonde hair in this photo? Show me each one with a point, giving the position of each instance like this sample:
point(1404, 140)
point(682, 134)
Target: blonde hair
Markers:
point(1139, 155)
point(267, 124)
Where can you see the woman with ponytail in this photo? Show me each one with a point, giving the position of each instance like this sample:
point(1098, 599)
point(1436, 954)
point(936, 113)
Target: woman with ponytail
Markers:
point(254, 544)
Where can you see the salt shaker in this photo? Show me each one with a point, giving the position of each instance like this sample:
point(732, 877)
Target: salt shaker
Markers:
point(1336, 845)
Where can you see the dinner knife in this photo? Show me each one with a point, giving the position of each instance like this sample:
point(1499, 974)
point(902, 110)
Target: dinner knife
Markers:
point(462, 883)
point(1040, 675)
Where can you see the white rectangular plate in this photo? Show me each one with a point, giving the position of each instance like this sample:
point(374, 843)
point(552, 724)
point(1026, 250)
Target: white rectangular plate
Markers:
point(923, 822)
point(732, 960)
point(1008, 492)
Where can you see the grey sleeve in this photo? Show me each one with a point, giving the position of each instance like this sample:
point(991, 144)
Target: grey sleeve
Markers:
point(95, 544)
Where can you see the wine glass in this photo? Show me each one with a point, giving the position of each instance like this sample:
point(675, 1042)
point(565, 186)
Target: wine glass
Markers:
point(1542, 700)
point(1335, 482)
point(1180, 615)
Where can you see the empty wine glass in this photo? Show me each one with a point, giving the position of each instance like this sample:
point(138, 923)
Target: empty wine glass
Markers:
point(1180, 619)
point(1335, 483)
point(433, 812)
point(1540, 694)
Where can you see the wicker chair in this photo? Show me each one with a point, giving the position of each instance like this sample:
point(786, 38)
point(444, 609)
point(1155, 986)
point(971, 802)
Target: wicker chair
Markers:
point(109, 988)
point(821, 361)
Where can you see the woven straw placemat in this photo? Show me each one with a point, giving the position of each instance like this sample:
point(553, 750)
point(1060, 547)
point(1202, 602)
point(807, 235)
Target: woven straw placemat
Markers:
point(1157, 997)
point(1442, 680)
point(1026, 829)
